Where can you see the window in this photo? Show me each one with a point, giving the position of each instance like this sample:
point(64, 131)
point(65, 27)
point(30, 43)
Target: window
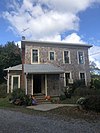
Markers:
point(66, 58)
point(82, 78)
point(15, 82)
point(80, 57)
point(67, 77)
point(52, 55)
point(35, 55)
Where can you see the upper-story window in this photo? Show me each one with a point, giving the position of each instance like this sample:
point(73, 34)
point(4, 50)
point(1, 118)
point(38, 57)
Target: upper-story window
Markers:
point(35, 56)
point(51, 55)
point(66, 57)
point(80, 57)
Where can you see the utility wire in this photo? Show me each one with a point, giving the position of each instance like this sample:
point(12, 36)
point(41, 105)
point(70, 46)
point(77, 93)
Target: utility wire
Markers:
point(94, 53)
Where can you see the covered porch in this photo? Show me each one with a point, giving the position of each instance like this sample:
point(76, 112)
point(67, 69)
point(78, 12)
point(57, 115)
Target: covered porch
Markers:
point(42, 79)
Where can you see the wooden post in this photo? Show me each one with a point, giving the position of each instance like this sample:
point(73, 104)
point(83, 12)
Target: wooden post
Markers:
point(46, 93)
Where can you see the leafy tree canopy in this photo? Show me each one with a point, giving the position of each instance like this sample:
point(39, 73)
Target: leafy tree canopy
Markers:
point(10, 55)
point(94, 70)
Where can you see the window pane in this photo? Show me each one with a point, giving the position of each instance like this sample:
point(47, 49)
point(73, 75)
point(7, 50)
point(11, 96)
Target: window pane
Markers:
point(51, 55)
point(82, 78)
point(66, 57)
point(15, 82)
point(81, 59)
point(35, 55)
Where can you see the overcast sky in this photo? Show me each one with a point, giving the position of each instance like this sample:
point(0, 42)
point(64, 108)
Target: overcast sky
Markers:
point(74, 21)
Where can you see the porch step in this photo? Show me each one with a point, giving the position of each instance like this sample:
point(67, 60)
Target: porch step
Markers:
point(41, 99)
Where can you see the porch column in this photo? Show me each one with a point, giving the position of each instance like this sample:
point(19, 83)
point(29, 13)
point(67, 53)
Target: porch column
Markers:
point(46, 85)
point(26, 83)
point(8, 82)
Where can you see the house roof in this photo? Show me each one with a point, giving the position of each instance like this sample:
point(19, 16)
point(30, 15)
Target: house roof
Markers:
point(41, 68)
point(56, 43)
point(17, 67)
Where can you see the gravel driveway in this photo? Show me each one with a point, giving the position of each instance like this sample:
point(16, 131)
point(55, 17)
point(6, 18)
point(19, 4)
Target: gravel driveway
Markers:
point(17, 122)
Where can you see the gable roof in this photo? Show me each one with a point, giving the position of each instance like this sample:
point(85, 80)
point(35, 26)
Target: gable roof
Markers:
point(17, 68)
point(42, 68)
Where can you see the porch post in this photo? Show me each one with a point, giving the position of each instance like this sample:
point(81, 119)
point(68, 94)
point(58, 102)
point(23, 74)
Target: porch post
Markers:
point(26, 83)
point(8, 82)
point(46, 85)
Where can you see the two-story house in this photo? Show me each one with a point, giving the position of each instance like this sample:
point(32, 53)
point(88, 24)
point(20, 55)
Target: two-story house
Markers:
point(49, 66)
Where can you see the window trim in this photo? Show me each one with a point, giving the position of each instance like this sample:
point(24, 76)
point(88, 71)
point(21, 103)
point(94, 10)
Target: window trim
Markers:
point(32, 56)
point(54, 56)
point(12, 78)
point(68, 56)
point(85, 76)
point(83, 57)
point(65, 77)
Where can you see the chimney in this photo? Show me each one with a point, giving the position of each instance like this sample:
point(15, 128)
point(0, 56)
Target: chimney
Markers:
point(23, 37)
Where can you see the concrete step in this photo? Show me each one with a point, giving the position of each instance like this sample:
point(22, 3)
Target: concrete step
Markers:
point(41, 99)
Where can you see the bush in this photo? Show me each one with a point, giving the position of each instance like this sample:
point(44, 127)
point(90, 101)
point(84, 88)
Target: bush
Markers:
point(96, 83)
point(18, 94)
point(3, 90)
point(18, 97)
point(92, 103)
point(62, 97)
point(27, 100)
point(78, 83)
point(68, 91)
point(82, 92)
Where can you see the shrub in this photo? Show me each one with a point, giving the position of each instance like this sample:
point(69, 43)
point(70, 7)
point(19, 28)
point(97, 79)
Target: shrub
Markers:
point(77, 84)
point(62, 97)
point(18, 97)
point(18, 94)
point(3, 89)
point(92, 103)
point(68, 91)
point(27, 100)
point(86, 91)
point(96, 83)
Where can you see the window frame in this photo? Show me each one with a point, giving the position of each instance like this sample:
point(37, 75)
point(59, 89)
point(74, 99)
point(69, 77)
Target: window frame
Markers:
point(32, 56)
point(68, 56)
point(84, 76)
point(78, 57)
point(12, 79)
point(65, 77)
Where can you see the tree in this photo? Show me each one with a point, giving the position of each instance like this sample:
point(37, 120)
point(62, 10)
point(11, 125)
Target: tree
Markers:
point(10, 55)
point(94, 70)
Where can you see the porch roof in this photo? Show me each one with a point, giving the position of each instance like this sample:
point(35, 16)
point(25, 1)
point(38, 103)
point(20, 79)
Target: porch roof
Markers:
point(42, 69)
point(17, 67)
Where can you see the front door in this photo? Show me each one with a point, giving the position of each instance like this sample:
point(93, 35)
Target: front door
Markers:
point(36, 83)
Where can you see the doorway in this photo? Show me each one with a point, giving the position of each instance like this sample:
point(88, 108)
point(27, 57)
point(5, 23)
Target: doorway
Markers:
point(36, 84)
